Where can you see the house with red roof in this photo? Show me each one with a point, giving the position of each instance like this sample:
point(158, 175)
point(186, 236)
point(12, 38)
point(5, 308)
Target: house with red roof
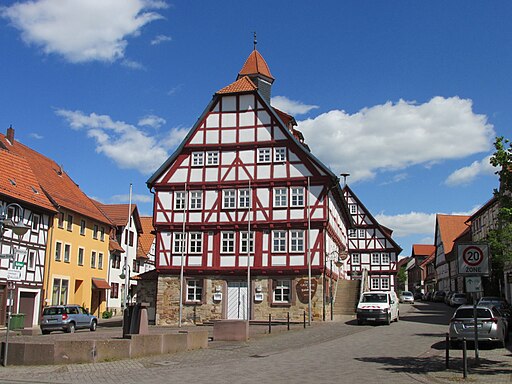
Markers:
point(417, 272)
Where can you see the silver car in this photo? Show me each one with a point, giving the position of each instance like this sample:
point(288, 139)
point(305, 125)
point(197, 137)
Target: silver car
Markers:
point(67, 318)
point(491, 326)
point(407, 297)
point(458, 299)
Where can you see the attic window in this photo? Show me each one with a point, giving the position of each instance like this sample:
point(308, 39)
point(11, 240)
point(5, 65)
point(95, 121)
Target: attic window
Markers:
point(34, 190)
point(13, 182)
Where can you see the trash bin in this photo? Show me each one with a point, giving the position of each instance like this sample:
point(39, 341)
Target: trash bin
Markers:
point(17, 321)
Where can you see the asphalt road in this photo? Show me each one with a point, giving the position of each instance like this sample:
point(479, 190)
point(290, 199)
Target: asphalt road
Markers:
point(411, 350)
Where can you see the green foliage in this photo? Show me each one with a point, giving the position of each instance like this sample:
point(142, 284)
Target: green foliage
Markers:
point(106, 315)
point(402, 275)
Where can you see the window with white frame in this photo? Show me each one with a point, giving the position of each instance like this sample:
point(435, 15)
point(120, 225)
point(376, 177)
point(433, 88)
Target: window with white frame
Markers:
point(93, 259)
point(282, 290)
point(82, 227)
point(102, 234)
point(352, 233)
point(279, 241)
point(35, 222)
point(58, 250)
point(95, 232)
point(194, 290)
point(70, 223)
point(178, 243)
point(297, 241)
point(280, 197)
point(197, 159)
point(31, 261)
point(243, 242)
point(375, 283)
point(279, 154)
point(179, 201)
point(385, 258)
point(384, 283)
point(362, 233)
point(353, 208)
point(244, 199)
point(80, 257)
point(228, 199)
point(60, 291)
point(375, 258)
point(67, 252)
point(297, 196)
point(100, 260)
point(196, 242)
point(356, 258)
point(196, 199)
point(264, 155)
point(212, 158)
point(228, 242)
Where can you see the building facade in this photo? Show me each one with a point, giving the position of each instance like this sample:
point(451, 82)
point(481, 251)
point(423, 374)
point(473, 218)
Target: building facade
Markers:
point(245, 214)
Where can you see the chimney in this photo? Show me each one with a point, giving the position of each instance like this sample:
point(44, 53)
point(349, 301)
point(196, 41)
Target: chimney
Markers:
point(10, 135)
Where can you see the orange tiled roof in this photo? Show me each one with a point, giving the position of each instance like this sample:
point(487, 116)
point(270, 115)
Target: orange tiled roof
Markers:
point(423, 249)
point(117, 213)
point(255, 64)
point(113, 245)
point(18, 181)
point(451, 227)
point(61, 189)
point(147, 237)
point(243, 84)
point(140, 252)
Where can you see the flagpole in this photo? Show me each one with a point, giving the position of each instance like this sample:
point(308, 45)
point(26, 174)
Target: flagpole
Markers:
point(183, 244)
point(309, 254)
point(249, 257)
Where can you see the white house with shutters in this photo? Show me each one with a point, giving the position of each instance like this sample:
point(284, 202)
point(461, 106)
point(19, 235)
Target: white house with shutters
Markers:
point(245, 214)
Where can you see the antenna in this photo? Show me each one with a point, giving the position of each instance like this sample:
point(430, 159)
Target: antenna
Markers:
point(344, 175)
point(255, 41)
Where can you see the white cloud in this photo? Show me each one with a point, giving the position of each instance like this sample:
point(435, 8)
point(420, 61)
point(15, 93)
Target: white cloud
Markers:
point(291, 107)
point(467, 175)
point(151, 121)
point(82, 30)
point(128, 146)
point(392, 137)
point(160, 39)
point(136, 198)
point(37, 136)
point(132, 64)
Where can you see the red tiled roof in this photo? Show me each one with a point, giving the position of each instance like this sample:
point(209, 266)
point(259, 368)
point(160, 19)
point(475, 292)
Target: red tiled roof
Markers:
point(422, 249)
point(451, 227)
point(255, 64)
point(113, 245)
point(18, 181)
point(286, 118)
point(243, 84)
point(117, 213)
point(56, 183)
point(147, 236)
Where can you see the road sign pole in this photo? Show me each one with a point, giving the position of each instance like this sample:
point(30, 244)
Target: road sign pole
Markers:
point(476, 327)
point(9, 308)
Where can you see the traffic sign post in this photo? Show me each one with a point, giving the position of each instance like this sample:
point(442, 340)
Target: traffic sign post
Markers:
point(473, 284)
point(473, 259)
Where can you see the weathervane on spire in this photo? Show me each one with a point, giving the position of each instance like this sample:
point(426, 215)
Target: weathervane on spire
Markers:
point(255, 41)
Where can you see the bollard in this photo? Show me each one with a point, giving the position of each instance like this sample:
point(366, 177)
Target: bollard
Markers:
point(304, 319)
point(269, 323)
point(288, 321)
point(447, 358)
point(464, 359)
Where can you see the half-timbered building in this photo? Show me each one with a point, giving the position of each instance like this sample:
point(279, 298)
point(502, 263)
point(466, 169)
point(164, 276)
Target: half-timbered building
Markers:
point(244, 214)
point(24, 202)
point(373, 252)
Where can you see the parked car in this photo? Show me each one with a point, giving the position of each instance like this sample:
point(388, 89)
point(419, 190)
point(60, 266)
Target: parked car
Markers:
point(491, 326)
point(407, 297)
point(418, 295)
point(448, 296)
point(67, 318)
point(501, 304)
point(458, 299)
point(438, 296)
point(378, 306)
point(427, 296)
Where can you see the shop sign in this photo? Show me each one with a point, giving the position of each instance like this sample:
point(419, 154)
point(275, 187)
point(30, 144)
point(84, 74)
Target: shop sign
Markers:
point(303, 289)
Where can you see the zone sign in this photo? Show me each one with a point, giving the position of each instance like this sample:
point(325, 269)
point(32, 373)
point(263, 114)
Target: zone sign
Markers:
point(473, 259)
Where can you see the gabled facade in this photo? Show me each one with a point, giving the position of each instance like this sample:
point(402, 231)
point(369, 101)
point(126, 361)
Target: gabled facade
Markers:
point(147, 243)
point(18, 185)
point(448, 228)
point(127, 236)
point(370, 246)
point(242, 199)
point(77, 242)
point(417, 272)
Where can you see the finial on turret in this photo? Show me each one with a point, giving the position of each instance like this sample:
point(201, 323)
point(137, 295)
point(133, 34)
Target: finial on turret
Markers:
point(255, 41)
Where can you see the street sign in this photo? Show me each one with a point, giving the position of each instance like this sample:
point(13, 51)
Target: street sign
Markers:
point(19, 264)
point(14, 274)
point(473, 284)
point(473, 259)
point(6, 255)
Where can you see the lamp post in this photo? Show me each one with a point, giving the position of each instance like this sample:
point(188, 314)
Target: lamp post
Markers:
point(126, 277)
point(18, 228)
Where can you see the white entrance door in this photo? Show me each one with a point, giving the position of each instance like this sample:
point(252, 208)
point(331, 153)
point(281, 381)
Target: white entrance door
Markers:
point(237, 300)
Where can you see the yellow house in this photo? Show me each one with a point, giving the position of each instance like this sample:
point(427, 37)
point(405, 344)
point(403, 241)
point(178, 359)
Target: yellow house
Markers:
point(77, 250)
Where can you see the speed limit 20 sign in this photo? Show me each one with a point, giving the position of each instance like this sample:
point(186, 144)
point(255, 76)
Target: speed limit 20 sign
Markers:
point(473, 259)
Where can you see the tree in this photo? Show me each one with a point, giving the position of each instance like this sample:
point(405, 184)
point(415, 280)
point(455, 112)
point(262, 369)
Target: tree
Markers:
point(500, 238)
point(401, 277)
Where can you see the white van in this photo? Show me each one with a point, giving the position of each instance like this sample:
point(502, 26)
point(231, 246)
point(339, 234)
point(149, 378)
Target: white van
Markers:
point(378, 306)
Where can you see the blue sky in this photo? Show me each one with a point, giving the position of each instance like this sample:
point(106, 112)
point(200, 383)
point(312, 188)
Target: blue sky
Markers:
point(406, 96)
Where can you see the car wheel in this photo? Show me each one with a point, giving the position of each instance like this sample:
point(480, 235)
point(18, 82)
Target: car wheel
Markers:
point(397, 317)
point(93, 326)
point(71, 328)
point(388, 320)
point(454, 344)
point(359, 322)
point(45, 332)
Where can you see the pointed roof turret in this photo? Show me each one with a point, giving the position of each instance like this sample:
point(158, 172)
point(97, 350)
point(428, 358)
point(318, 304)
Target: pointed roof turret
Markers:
point(256, 65)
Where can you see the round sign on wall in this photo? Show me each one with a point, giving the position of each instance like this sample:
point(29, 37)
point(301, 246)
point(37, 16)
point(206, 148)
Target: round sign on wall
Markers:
point(473, 259)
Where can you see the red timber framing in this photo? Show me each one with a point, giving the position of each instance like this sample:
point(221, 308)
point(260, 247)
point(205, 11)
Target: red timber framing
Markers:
point(371, 246)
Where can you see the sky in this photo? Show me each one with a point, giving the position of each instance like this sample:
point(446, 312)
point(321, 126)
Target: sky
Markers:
point(405, 96)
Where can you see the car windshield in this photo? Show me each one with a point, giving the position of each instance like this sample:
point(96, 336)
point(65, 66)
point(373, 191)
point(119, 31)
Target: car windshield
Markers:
point(467, 313)
point(375, 298)
point(459, 296)
point(406, 293)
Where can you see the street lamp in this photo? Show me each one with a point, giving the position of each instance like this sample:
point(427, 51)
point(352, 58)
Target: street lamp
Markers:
point(19, 229)
point(126, 278)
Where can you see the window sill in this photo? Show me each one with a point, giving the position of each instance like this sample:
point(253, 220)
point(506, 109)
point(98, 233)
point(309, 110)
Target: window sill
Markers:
point(281, 305)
